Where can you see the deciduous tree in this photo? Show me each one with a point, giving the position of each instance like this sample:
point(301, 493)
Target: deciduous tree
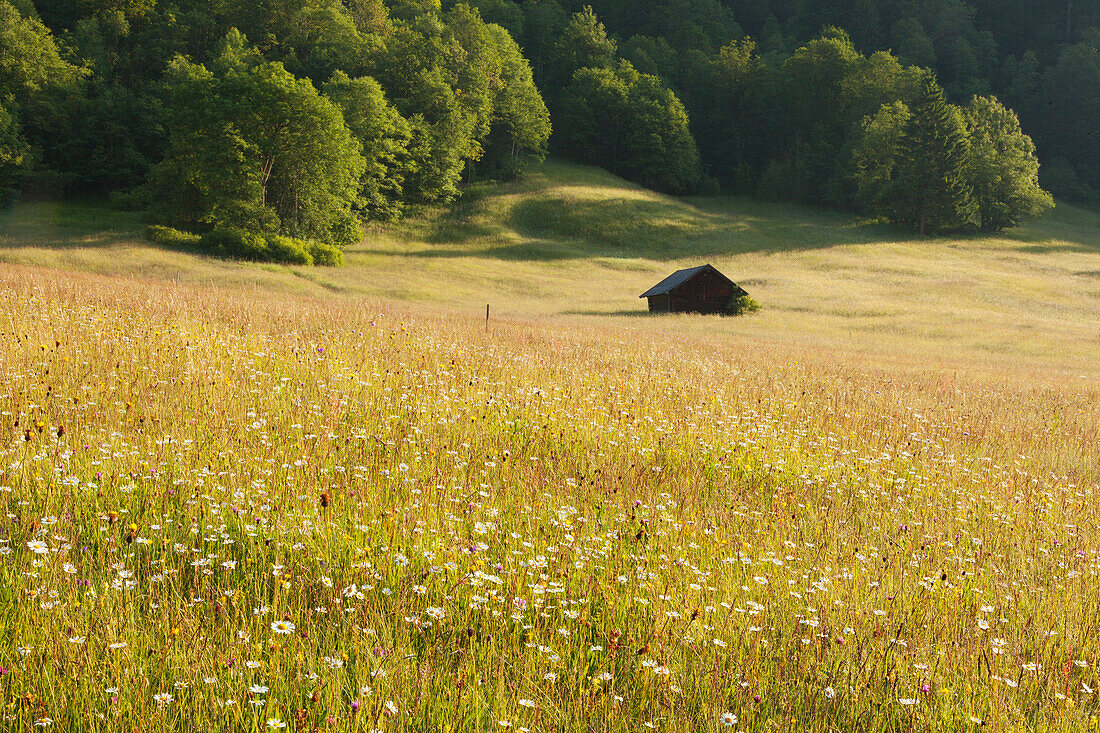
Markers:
point(632, 124)
point(253, 147)
point(384, 136)
point(1002, 168)
point(521, 123)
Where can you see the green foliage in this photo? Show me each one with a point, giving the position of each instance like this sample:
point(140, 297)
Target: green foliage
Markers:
point(651, 55)
point(325, 255)
point(932, 191)
point(112, 137)
point(371, 17)
point(743, 304)
point(874, 164)
point(444, 73)
point(660, 152)
point(1067, 105)
point(251, 246)
point(687, 25)
point(583, 44)
point(912, 43)
point(30, 62)
point(1060, 178)
point(252, 147)
point(13, 156)
point(224, 132)
point(125, 8)
point(830, 88)
point(1002, 169)
point(237, 243)
point(384, 136)
point(911, 170)
point(543, 21)
point(815, 74)
point(789, 122)
point(287, 250)
point(632, 124)
point(732, 96)
point(592, 118)
point(521, 123)
point(345, 230)
point(437, 93)
point(34, 82)
point(478, 76)
point(171, 237)
point(257, 247)
point(325, 39)
point(785, 125)
point(504, 13)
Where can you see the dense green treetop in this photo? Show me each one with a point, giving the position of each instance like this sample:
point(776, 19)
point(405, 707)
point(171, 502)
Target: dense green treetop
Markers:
point(1002, 167)
point(384, 136)
point(255, 148)
point(933, 192)
point(521, 122)
point(30, 62)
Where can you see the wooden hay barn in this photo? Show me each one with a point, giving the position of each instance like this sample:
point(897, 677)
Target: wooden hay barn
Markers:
point(695, 290)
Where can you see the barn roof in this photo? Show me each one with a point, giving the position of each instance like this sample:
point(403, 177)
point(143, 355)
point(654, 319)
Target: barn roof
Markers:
point(677, 279)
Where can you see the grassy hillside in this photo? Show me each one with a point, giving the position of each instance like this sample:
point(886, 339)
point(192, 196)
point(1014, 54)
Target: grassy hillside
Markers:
point(574, 242)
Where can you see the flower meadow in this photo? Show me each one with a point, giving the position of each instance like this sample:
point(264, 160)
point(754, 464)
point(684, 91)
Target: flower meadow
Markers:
point(230, 512)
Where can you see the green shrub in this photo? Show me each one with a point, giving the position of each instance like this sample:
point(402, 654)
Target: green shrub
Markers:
point(741, 304)
point(227, 242)
point(170, 237)
point(326, 255)
point(244, 245)
point(288, 250)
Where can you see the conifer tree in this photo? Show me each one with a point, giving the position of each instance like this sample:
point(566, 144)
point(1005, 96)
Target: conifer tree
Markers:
point(932, 191)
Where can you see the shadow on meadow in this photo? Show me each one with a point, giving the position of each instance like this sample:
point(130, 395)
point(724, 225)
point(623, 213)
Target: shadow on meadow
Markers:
point(63, 225)
point(568, 212)
point(564, 224)
point(1067, 229)
point(1045, 245)
point(577, 212)
point(641, 312)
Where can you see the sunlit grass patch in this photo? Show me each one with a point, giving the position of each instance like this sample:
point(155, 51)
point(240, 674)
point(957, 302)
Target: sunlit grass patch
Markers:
point(235, 511)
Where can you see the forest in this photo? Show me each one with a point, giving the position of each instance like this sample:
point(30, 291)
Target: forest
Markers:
point(275, 129)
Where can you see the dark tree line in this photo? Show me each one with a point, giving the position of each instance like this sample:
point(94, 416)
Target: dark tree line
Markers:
point(783, 102)
point(305, 117)
point(779, 105)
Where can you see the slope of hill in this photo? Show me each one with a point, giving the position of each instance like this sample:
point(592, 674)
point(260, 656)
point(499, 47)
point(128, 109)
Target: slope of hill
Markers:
point(576, 243)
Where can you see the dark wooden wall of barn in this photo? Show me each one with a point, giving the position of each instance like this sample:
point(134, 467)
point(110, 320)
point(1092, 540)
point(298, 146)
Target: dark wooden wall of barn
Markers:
point(658, 303)
point(707, 292)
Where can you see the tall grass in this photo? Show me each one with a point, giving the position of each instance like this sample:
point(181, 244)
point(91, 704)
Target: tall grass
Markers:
point(239, 513)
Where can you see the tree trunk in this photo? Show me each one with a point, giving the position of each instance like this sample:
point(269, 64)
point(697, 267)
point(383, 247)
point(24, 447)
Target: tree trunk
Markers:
point(265, 176)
